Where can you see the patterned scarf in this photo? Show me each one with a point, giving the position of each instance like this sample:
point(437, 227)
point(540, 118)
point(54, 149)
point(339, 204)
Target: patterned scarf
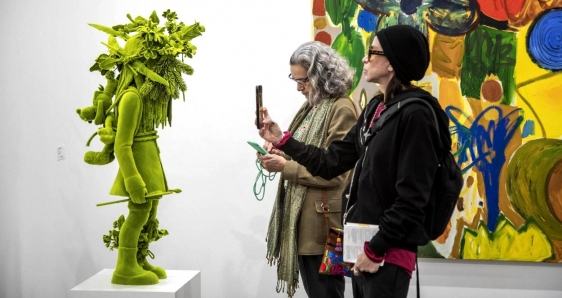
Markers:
point(282, 232)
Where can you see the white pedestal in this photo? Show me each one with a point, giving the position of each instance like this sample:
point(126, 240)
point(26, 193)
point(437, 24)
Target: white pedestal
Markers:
point(179, 284)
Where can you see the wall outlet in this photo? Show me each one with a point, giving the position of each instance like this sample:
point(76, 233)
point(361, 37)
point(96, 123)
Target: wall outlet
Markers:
point(61, 154)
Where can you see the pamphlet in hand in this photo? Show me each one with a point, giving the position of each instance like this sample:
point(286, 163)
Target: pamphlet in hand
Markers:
point(354, 237)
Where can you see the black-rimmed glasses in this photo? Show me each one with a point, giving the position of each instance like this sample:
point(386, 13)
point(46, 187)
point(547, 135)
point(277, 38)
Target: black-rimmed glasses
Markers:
point(370, 53)
point(299, 81)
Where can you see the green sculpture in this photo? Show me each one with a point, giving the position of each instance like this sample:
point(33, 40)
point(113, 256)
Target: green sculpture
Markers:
point(129, 109)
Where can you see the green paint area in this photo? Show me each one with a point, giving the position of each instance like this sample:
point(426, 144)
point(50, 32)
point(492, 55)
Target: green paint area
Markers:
point(349, 43)
point(341, 11)
point(528, 177)
point(352, 48)
point(489, 51)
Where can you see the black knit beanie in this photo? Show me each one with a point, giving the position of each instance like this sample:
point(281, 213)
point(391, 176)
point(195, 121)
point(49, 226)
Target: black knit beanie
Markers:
point(407, 50)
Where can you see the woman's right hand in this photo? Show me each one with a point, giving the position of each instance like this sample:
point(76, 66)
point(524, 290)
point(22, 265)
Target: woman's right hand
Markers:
point(270, 130)
point(272, 163)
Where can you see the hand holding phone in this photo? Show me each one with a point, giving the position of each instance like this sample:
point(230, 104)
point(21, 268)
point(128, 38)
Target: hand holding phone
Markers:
point(259, 104)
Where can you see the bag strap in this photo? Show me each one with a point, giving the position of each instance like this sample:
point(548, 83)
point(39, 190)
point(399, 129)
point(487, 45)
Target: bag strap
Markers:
point(326, 208)
point(392, 109)
point(417, 277)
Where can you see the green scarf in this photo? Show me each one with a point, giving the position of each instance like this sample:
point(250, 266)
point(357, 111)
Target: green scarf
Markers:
point(282, 232)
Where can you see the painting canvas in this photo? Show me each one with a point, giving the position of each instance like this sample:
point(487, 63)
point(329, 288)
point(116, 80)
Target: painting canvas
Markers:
point(496, 68)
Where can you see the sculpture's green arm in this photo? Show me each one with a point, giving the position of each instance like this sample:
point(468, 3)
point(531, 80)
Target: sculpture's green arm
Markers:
point(129, 111)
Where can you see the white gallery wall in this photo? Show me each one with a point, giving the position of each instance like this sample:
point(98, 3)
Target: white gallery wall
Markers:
point(50, 228)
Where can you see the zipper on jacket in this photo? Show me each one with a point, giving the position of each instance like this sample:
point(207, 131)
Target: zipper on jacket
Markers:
point(347, 208)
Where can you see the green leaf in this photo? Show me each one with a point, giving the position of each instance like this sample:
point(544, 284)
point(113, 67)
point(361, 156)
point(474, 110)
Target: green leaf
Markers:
point(95, 67)
point(190, 32)
point(140, 20)
point(112, 48)
point(121, 220)
point(112, 45)
point(108, 63)
point(154, 17)
point(133, 46)
point(140, 67)
point(135, 73)
point(109, 31)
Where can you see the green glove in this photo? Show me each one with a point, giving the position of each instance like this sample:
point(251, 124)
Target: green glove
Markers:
point(138, 196)
point(136, 188)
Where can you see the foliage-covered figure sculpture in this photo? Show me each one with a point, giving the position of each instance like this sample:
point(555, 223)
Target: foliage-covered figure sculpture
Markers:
point(149, 77)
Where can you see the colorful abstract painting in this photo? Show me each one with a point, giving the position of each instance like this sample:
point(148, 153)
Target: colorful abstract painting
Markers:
point(496, 68)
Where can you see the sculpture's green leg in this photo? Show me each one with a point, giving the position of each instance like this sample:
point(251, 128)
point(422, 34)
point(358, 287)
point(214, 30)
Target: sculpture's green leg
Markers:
point(159, 271)
point(127, 271)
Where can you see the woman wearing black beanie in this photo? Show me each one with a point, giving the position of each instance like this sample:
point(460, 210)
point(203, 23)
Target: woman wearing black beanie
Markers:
point(394, 167)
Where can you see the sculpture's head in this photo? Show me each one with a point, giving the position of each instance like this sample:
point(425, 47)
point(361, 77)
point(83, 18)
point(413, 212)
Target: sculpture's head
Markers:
point(149, 58)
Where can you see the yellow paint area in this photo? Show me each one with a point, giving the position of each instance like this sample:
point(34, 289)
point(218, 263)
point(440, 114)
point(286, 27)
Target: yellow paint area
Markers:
point(541, 95)
point(320, 23)
point(507, 243)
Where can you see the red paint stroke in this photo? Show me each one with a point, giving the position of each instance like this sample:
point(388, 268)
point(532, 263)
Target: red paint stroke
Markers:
point(323, 37)
point(318, 8)
point(499, 9)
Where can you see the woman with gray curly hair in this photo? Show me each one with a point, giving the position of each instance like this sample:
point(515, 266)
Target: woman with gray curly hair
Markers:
point(298, 226)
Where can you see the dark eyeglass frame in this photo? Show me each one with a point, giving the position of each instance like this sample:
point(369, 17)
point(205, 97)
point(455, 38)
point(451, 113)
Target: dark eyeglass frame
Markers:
point(299, 81)
point(370, 53)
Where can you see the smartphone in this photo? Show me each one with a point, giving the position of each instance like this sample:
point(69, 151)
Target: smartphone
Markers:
point(258, 106)
point(258, 148)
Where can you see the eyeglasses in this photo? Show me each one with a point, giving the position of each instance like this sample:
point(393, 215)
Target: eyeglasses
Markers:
point(370, 53)
point(299, 81)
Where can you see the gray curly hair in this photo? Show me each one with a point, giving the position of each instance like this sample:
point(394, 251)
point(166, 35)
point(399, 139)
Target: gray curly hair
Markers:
point(329, 73)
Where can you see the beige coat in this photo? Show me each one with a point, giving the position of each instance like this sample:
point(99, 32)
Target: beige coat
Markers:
point(312, 230)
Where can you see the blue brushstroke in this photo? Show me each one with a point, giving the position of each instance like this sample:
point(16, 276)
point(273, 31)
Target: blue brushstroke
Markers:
point(544, 40)
point(367, 21)
point(485, 147)
point(528, 128)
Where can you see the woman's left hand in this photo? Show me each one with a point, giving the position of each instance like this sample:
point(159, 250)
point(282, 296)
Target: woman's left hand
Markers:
point(272, 162)
point(364, 264)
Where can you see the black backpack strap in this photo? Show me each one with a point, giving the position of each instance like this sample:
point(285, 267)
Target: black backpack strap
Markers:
point(391, 110)
point(417, 277)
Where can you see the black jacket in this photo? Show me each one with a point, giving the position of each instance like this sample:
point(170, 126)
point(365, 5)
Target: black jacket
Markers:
point(392, 181)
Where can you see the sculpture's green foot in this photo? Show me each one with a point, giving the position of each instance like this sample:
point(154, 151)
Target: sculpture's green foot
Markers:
point(159, 271)
point(128, 271)
point(146, 278)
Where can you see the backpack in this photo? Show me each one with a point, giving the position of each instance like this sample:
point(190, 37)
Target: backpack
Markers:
point(448, 180)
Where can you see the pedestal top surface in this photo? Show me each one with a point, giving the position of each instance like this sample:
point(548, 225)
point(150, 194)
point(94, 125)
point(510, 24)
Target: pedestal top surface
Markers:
point(102, 282)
